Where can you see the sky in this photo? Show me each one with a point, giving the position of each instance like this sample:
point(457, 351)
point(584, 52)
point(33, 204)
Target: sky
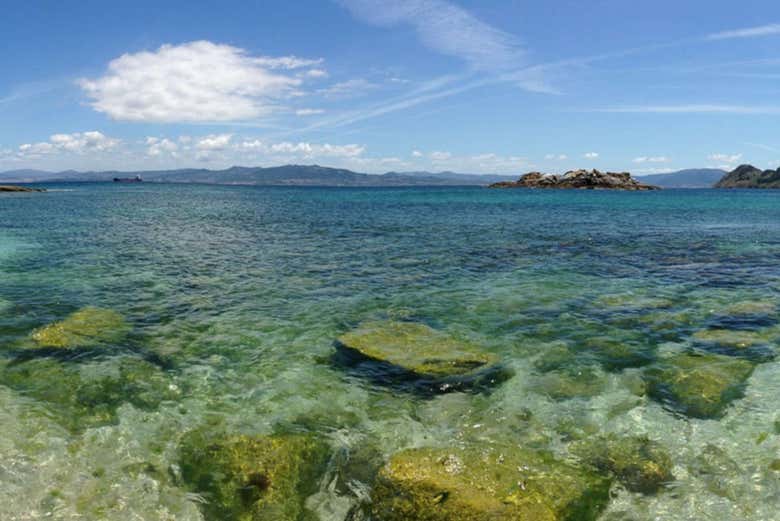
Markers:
point(488, 86)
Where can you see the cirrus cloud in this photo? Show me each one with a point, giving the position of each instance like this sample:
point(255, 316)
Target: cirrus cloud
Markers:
point(192, 82)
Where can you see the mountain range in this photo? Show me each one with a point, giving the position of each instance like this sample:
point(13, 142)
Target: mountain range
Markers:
point(315, 175)
point(287, 175)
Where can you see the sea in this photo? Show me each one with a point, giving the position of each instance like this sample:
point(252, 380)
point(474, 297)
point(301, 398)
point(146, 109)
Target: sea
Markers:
point(232, 299)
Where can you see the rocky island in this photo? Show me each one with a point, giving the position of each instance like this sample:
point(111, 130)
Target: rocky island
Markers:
point(578, 179)
point(12, 188)
point(748, 176)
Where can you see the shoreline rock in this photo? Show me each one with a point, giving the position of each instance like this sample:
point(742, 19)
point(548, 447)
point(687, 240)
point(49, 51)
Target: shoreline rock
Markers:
point(14, 188)
point(578, 179)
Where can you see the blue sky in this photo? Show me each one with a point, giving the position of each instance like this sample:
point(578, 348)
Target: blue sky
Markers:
point(471, 86)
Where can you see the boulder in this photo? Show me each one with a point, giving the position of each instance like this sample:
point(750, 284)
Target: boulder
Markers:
point(408, 351)
point(698, 385)
point(252, 478)
point(640, 464)
point(616, 354)
point(86, 327)
point(485, 484)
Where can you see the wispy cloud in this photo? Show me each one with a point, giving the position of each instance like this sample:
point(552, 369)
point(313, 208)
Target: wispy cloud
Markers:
point(651, 159)
point(725, 158)
point(694, 109)
point(764, 147)
point(748, 32)
point(445, 28)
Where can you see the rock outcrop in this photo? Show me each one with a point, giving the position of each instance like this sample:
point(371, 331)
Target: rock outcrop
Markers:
point(700, 386)
point(748, 176)
point(252, 478)
point(485, 484)
point(578, 179)
point(428, 359)
point(13, 188)
point(86, 327)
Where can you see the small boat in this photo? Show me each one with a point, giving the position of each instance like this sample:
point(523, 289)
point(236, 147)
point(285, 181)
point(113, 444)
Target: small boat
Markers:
point(136, 179)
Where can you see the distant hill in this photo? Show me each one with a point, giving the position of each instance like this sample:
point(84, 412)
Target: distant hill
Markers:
point(287, 175)
point(748, 176)
point(691, 178)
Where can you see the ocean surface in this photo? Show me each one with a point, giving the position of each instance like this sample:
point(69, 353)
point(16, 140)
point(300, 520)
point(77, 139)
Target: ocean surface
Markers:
point(232, 298)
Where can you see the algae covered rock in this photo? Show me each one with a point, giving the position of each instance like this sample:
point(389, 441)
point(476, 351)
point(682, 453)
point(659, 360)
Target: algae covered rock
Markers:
point(641, 464)
point(754, 345)
point(252, 478)
point(698, 385)
point(582, 382)
point(87, 327)
point(88, 395)
point(485, 484)
point(616, 354)
point(410, 351)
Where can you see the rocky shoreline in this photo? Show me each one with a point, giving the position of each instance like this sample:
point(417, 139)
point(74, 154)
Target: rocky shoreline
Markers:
point(13, 188)
point(578, 179)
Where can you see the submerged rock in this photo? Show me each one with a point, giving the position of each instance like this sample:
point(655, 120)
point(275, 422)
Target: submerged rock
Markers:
point(581, 179)
point(640, 464)
point(252, 478)
point(485, 485)
point(86, 327)
point(753, 345)
point(615, 354)
point(698, 385)
point(408, 351)
point(82, 396)
point(575, 382)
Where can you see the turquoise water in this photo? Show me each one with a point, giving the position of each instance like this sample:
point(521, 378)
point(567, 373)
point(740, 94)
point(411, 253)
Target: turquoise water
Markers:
point(234, 297)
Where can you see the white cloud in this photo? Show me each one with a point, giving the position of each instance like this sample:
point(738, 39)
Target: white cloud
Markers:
point(749, 32)
point(416, 153)
point(301, 149)
point(317, 73)
point(159, 146)
point(77, 143)
point(438, 155)
point(348, 89)
point(651, 159)
point(195, 81)
point(444, 28)
point(725, 158)
point(308, 112)
point(558, 157)
point(591, 155)
point(214, 142)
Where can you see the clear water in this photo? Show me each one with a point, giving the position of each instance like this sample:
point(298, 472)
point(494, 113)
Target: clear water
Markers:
point(236, 294)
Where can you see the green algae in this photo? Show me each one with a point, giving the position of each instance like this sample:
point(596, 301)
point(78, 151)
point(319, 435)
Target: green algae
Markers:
point(699, 385)
point(89, 395)
point(616, 353)
point(582, 382)
point(470, 484)
point(252, 478)
point(735, 339)
point(86, 327)
point(640, 464)
point(416, 348)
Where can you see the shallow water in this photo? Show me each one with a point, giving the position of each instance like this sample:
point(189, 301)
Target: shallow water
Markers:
point(235, 296)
